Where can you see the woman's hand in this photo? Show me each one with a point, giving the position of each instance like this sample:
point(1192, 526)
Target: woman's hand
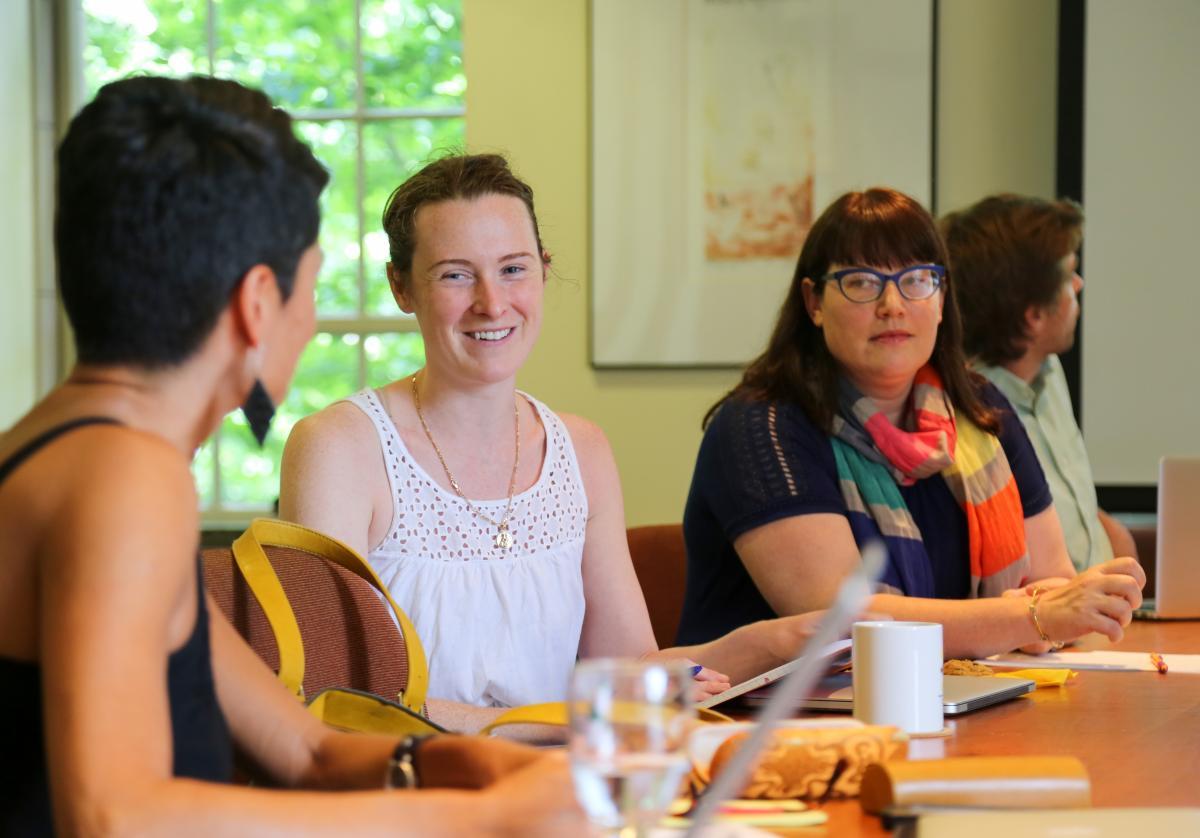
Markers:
point(1100, 599)
point(1040, 647)
point(537, 800)
point(707, 682)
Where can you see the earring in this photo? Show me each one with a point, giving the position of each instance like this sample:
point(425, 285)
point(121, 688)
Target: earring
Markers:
point(259, 410)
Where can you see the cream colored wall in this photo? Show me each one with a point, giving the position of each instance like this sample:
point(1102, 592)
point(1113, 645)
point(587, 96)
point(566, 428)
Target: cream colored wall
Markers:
point(527, 62)
point(18, 357)
point(528, 97)
point(997, 62)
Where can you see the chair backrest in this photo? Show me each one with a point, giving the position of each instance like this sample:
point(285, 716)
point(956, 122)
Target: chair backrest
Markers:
point(350, 639)
point(660, 561)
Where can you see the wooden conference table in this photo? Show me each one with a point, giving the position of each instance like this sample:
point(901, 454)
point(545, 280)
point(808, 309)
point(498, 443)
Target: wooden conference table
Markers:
point(1138, 733)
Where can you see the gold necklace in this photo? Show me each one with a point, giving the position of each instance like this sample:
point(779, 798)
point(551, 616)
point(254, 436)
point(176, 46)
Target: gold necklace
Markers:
point(503, 537)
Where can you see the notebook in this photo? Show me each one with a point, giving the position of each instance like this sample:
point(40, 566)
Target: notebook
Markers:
point(1177, 549)
point(960, 693)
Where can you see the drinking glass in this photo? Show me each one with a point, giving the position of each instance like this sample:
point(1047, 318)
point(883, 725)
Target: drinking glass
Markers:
point(629, 726)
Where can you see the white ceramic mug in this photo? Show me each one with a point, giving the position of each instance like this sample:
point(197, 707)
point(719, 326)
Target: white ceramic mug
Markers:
point(898, 675)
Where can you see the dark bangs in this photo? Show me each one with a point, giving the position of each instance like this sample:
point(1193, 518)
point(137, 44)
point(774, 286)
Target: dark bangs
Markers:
point(877, 228)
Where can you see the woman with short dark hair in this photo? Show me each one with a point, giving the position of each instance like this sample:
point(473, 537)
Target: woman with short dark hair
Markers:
point(861, 421)
point(186, 243)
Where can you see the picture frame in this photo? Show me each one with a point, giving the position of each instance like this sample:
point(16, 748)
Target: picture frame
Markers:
point(719, 131)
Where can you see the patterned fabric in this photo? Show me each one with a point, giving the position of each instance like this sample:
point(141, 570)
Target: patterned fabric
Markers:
point(501, 627)
point(873, 456)
point(798, 763)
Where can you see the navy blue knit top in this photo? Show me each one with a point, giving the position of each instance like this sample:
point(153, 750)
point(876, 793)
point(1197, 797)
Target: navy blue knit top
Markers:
point(763, 461)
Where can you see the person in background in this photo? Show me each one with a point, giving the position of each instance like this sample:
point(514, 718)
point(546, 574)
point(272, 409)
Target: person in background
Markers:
point(1016, 260)
point(861, 421)
point(186, 237)
point(496, 522)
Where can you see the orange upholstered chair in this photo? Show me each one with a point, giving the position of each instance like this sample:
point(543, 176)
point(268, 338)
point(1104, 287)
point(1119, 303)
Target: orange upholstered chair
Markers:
point(660, 560)
point(350, 639)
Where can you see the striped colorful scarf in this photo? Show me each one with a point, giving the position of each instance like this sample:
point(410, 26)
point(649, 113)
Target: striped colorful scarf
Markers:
point(873, 456)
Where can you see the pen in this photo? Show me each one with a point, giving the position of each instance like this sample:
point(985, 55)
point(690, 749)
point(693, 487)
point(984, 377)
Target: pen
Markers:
point(696, 670)
point(1159, 663)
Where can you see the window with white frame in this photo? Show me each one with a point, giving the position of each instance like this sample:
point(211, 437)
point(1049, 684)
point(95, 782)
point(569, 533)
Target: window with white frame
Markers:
point(377, 87)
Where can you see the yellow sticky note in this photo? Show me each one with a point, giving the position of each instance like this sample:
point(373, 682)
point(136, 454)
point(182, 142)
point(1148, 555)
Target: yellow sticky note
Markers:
point(1041, 677)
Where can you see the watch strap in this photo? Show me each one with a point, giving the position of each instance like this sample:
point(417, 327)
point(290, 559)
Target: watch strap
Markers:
point(402, 767)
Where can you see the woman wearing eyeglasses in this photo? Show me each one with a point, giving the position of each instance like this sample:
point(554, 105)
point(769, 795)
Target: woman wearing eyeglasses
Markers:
point(860, 420)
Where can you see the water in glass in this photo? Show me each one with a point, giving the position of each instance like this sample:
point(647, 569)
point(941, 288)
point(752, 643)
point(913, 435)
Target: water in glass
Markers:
point(629, 722)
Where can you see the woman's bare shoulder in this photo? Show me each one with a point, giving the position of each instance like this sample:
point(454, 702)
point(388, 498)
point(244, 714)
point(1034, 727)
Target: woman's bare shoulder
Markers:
point(587, 437)
point(108, 459)
point(332, 477)
point(105, 504)
point(114, 461)
point(130, 502)
point(340, 430)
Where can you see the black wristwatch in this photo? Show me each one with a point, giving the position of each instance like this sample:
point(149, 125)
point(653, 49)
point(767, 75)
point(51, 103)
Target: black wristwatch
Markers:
point(402, 767)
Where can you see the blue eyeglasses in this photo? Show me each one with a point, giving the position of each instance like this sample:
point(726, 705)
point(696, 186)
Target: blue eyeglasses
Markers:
point(864, 285)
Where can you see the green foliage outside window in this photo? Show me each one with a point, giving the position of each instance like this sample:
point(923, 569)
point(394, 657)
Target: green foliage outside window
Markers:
point(309, 57)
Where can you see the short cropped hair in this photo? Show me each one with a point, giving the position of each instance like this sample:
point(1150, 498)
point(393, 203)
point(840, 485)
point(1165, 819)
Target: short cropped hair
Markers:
point(450, 178)
point(169, 191)
point(1005, 253)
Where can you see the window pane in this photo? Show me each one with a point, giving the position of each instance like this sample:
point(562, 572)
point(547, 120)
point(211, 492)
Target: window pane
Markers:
point(202, 473)
point(249, 476)
point(393, 150)
point(328, 370)
point(412, 53)
point(391, 357)
point(301, 54)
point(337, 284)
point(164, 37)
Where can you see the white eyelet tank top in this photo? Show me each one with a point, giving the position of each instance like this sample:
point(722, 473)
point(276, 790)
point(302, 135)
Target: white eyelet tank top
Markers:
point(500, 627)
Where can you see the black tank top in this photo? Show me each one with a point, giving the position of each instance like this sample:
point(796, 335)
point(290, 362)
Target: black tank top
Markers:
point(201, 744)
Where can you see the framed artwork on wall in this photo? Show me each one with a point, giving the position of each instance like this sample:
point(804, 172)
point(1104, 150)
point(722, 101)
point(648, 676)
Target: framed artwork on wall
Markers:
point(719, 130)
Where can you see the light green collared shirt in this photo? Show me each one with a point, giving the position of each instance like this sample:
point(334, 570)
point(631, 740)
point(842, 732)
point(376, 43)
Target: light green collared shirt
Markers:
point(1044, 407)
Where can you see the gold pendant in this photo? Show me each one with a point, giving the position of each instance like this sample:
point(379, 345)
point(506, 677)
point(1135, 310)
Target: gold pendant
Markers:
point(503, 539)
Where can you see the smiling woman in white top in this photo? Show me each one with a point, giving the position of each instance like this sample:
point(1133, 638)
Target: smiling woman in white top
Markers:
point(497, 524)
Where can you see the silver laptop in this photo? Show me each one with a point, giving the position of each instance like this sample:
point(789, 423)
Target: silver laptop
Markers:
point(960, 693)
point(1177, 549)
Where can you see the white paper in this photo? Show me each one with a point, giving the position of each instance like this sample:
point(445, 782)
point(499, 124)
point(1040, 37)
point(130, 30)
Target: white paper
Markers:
point(1096, 659)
